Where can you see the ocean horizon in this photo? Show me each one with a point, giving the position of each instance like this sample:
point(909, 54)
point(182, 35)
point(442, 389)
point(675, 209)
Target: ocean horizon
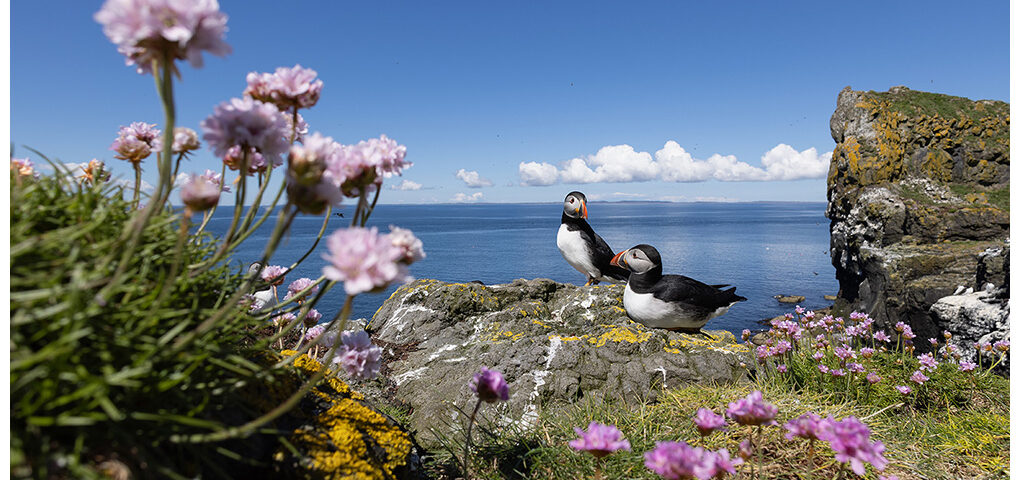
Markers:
point(764, 248)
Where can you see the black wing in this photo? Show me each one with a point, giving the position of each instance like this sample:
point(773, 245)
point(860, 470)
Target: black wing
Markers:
point(603, 255)
point(678, 288)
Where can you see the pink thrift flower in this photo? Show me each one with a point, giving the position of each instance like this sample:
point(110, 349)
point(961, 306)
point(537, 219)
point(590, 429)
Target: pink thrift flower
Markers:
point(287, 88)
point(881, 336)
point(918, 377)
point(799, 310)
point(967, 366)
point(745, 334)
point(849, 439)
point(808, 426)
point(297, 286)
point(185, 140)
point(928, 362)
point(675, 460)
point(147, 30)
point(312, 317)
point(600, 440)
point(867, 352)
point(752, 410)
point(844, 352)
point(855, 367)
point(903, 389)
point(363, 260)
point(247, 123)
point(94, 171)
point(873, 378)
point(707, 421)
point(274, 274)
point(823, 368)
point(136, 142)
point(311, 184)
point(199, 193)
point(781, 368)
point(358, 357)
point(214, 178)
point(314, 332)
point(818, 356)
point(256, 162)
point(837, 372)
point(934, 342)
point(722, 463)
point(1001, 345)
point(407, 243)
point(490, 386)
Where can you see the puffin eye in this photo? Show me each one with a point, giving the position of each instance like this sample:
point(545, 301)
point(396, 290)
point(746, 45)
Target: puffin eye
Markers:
point(571, 200)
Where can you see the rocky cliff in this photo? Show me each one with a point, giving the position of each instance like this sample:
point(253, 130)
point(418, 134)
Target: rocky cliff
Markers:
point(555, 343)
point(918, 193)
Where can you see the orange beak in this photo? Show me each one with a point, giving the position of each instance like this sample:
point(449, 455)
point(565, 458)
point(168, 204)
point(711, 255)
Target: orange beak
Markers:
point(584, 210)
point(618, 259)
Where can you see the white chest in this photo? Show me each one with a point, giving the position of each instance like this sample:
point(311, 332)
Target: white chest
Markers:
point(646, 309)
point(575, 251)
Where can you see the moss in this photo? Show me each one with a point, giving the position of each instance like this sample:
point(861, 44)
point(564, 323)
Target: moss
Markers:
point(996, 197)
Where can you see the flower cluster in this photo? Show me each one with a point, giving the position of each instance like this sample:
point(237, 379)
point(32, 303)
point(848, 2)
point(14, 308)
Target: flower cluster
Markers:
point(274, 274)
point(247, 124)
point(678, 460)
point(364, 260)
point(185, 140)
point(136, 142)
point(707, 421)
point(490, 386)
point(311, 184)
point(299, 285)
point(201, 192)
point(152, 30)
point(849, 439)
point(23, 167)
point(752, 410)
point(287, 88)
point(599, 440)
point(357, 356)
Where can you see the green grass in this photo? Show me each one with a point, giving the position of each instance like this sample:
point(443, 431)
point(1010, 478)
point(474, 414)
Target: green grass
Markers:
point(955, 425)
point(997, 197)
point(933, 443)
point(913, 103)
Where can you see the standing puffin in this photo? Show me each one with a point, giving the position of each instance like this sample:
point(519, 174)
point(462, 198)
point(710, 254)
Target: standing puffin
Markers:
point(673, 302)
point(584, 249)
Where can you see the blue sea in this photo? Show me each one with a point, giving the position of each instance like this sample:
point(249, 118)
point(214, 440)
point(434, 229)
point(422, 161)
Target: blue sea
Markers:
point(763, 249)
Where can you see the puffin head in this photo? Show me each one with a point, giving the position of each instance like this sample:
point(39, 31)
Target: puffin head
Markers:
point(638, 259)
point(575, 205)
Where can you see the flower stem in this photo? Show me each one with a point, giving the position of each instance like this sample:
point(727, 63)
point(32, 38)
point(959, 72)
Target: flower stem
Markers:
point(467, 441)
point(138, 184)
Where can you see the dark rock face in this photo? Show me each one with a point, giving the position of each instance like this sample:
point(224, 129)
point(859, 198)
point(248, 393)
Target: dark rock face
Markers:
point(918, 192)
point(554, 343)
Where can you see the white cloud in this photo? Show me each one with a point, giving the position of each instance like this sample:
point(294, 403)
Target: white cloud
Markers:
point(534, 173)
point(784, 162)
point(465, 198)
point(406, 185)
point(622, 164)
point(472, 179)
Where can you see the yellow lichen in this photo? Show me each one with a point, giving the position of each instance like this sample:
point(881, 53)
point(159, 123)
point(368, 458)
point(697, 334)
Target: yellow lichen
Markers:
point(340, 442)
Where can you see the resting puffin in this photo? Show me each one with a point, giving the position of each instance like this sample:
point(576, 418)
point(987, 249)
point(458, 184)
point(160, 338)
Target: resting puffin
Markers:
point(673, 302)
point(584, 249)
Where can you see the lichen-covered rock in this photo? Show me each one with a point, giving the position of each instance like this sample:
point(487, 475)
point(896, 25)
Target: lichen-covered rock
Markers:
point(555, 343)
point(334, 433)
point(974, 317)
point(918, 191)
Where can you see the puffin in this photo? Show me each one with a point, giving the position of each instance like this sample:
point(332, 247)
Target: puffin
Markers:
point(672, 302)
point(582, 248)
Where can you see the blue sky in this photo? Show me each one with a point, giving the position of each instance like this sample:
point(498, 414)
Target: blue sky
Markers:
point(518, 94)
